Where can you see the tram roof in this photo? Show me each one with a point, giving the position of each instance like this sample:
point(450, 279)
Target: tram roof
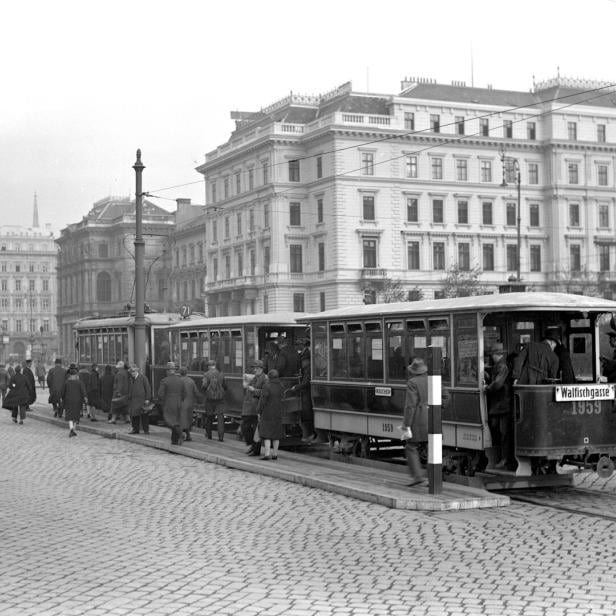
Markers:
point(152, 318)
point(267, 318)
point(490, 303)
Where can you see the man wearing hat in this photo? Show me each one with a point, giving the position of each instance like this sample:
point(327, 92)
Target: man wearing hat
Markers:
point(415, 420)
point(213, 387)
point(170, 394)
point(30, 382)
point(55, 381)
point(500, 412)
point(609, 365)
point(119, 402)
point(249, 407)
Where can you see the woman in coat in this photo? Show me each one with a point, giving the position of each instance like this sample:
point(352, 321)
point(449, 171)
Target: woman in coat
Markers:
point(18, 396)
point(140, 394)
point(191, 395)
point(107, 391)
point(94, 392)
point(270, 415)
point(415, 421)
point(74, 397)
point(170, 394)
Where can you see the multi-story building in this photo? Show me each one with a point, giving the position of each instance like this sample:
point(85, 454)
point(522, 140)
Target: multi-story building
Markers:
point(28, 259)
point(96, 264)
point(317, 202)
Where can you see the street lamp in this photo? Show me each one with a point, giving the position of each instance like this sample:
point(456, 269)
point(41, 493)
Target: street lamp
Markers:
point(509, 160)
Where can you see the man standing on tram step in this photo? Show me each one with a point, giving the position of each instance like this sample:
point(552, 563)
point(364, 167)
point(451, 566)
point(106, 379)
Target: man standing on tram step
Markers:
point(500, 412)
point(190, 395)
point(250, 418)
point(286, 361)
point(27, 371)
point(55, 381)
point(140, 394)
point(609, 365)
point(214, 386)
point(415, 420)
point(170, 395)
point(305, 396)
point(119, 402)
point(536, 363)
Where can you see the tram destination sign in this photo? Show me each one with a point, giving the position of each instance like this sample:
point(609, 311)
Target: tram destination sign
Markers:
point(569, 393)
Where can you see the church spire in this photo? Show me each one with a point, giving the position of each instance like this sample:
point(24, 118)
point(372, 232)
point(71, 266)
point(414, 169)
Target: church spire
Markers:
point(35, 218)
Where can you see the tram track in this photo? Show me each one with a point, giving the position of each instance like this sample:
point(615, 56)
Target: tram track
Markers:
point(581, 501)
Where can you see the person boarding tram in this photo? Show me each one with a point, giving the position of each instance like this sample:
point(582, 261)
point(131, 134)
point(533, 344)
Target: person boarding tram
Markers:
point(536, 363)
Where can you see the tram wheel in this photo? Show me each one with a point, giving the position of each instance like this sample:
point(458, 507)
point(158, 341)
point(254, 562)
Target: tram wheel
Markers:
point(605, 467)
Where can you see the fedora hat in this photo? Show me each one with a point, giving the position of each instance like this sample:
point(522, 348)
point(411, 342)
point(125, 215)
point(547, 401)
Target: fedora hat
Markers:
point(170, 366)
point(497, 347)
point(257, 363)
point(418, 366)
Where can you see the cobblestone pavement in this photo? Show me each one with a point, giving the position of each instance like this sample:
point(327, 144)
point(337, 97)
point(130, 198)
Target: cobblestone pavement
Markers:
point(95, 526)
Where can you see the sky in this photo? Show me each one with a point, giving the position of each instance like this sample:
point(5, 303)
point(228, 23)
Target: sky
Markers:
point(84, 84)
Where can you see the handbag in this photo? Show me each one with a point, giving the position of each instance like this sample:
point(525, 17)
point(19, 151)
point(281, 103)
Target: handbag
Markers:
point(146, 409)
point(256, 438)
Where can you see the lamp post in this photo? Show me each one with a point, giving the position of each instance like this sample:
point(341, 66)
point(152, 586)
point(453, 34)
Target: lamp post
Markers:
point(139, 266)
point(509, 160)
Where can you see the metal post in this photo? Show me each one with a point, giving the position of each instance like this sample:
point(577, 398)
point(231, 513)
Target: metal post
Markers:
point(517, 164)
point(435, 436)
point(139, 268)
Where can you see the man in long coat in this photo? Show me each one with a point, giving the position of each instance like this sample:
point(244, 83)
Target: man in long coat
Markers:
point(55, 381)
point(140, 394)
point(119, 402)
point(536, 363)
point(18, 395)
point(415, 421)
point(250, 418)
point(191, 395)
point(170, 394)
point(27, 371)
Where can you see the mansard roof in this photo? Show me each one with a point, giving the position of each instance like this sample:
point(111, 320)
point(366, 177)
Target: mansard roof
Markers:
point(111, 208)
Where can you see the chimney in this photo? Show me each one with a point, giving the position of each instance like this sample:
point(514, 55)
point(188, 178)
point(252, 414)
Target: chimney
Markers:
point(182, 202)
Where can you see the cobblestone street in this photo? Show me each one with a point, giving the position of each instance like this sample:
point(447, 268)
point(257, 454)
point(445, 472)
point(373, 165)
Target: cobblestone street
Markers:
point(95, 526)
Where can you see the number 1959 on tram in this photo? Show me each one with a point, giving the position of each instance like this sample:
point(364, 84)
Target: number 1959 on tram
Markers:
point(360, 356)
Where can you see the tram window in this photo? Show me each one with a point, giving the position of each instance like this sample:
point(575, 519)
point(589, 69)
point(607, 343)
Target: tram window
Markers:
point(204, 348)
point(237, 357)
point(215, 348)
point(319, 350)
point(226, 364)
point(106, 349)
point(416, 337)
point(175, 346)
point(356, 350)
point(395, 351)
point(161, 347)
point(338, 351)
point(250, 344)
point(440, 336)
point(465, 350)
point(123, 355)
point(374, 350)
point(184, 350)
point(580, 351)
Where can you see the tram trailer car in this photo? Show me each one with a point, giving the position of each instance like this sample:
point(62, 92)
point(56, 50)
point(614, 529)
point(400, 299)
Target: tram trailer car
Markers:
point(360, 354)
point(234, 342)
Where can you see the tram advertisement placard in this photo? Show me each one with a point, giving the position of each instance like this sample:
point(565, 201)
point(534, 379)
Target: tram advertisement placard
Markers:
point(569, 393)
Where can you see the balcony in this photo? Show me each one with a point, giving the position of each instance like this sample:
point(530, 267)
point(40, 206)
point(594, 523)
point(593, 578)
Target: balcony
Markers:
point(373, 273)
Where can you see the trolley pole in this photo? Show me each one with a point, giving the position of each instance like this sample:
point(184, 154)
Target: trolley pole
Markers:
point(435, 436)
point(139, 267)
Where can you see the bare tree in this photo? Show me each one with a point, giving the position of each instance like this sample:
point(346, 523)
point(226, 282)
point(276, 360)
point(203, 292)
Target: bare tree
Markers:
point(392, 291)
point(463, 283)
point(583, 282)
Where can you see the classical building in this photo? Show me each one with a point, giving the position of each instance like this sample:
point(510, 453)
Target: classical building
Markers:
point(96, 264)
point(28, 259)
point(320, 201)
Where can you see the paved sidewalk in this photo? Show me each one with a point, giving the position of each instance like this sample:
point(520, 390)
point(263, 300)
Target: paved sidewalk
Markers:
point(380, 486)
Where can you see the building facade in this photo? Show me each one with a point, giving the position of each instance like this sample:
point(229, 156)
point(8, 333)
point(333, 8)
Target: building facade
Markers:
point(28, 258)
point(96, 263)
point(318, 202)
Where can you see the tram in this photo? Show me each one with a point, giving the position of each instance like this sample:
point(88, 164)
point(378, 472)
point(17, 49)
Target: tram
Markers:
point(359, 357)
point(234, 343)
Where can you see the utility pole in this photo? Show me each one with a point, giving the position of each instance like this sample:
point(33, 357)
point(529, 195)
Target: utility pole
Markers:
point(139, 268)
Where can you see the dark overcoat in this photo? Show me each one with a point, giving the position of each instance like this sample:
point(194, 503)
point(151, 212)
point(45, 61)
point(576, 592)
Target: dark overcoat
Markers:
point(416, 407)
point(170, 394)
point(121, 387)
point(535, 363)
point(270, 410)
point(74, 396)
point(303, 387)
point(251, 398)
point(18, 393)
point(106, 391)
point(94, 389)
point(191, 395)
point(140, 391)
point(55, 381)
point(498, 390)
point(31, 384)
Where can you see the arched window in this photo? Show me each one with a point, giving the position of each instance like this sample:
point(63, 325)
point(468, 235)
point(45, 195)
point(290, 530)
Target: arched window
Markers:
point(103, 287)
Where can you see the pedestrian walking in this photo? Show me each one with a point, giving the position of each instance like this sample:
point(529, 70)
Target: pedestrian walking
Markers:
point(41, 373)
point(74, 397)
point(18, 396)
point(93, 391)
point(84, 375)
point(4, 382)
point(190, 396)
point(119, 401)
point(500, 407)
point(107, 391)
point(55, 382)
point(170, 395)
point(415, 420)
point(140, 394)
point(27, 372)
point(250, 418)
point(269, 409)
point(214, 386)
